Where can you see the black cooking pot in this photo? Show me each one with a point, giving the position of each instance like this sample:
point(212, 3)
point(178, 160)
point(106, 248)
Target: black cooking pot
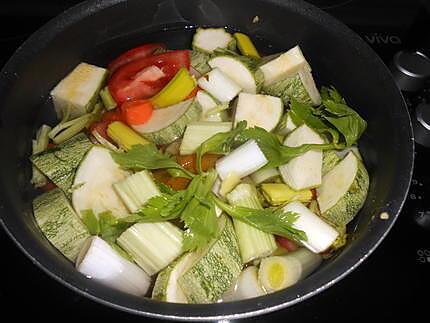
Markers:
point(96, 31)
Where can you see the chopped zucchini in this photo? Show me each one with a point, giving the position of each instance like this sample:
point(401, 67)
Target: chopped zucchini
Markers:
point(303, 171)
point(287, 64)
point(209, 39)
point(93, 182)
point(79, 90)
point(343, 190)
point(166, 286)
point(242, 70)
point(198, 132)
point(199, 61)
point(59, 164)
point(330, 159)
point(286, 125)
point(39, 145)
point(259, 110)
point(59, 223)
point(216, 268)
point(168, 124)
point(300, 86)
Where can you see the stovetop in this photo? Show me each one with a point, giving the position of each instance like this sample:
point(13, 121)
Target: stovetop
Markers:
point(393, 281)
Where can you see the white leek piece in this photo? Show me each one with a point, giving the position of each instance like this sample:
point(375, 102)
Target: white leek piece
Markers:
point(244, 160)
point(219, 85)
point(320, 235)
point(253, 243)
point(247, 286)
point(152, 245)
point(97, 260)
point(279, 272)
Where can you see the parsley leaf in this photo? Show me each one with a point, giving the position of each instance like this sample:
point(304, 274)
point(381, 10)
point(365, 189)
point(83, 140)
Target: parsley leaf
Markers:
point(275, 221)
point(146, 157)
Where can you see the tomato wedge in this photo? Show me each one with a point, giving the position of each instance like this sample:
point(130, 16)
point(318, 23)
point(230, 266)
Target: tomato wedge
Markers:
point(133, 54)
point(144, 77)
point(136, 112)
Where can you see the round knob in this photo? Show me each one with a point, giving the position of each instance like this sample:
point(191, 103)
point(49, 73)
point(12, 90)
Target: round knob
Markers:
point(421, 124)
point(410, 70)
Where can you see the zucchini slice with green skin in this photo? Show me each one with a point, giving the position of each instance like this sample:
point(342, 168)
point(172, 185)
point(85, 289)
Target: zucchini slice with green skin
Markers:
point(259, 110)
point(166, 286)
point(59, 223)
point(209, 39)
point(305, 170)
point(79, 90)
point(286, 125)
point(330, 159)
point(242, 70)
point(59, 164)
point(343, 190)
point(287, 64)
point(300, 86)
point(199, 61)
point(168, 124)
point(94, 181)
point(216, 269)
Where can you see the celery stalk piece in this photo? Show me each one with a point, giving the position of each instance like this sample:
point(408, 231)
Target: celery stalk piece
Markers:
point(264, 175)
point(278, 193)
point(99, 261)
point(107, 99)
point(253, 243)
point(152, 245)
point(136, 190)
point(124, 136)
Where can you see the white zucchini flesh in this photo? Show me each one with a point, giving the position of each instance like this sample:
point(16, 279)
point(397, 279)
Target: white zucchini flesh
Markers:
point(243, 161)
point(259, 110)
point(78, 89)
point(219, 85)
point(93, 184)
point(99, 261)
point(166, 286)
point(207, 103)
point(304, 171)
point(310, 86)
point(279, 272)
point(246, 286)
point(343, 190)
point(285, 65)
point(320, 235)
point(198, 132)
point(162, 118)
point(209, 39)
point(237, 71)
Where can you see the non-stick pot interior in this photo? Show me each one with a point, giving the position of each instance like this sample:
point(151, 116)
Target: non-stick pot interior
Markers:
point(97, 31)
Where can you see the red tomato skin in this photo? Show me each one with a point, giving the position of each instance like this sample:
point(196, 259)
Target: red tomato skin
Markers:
point(133, 54)
point(123, 85)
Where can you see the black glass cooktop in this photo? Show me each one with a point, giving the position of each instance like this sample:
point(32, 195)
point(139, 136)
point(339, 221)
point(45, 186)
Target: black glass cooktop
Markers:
point(391, 283)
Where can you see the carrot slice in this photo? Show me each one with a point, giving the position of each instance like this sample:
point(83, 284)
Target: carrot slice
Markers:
point(137, 112)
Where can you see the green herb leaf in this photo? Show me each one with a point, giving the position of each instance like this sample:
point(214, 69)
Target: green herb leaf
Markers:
point(91, 221)
point(146, 157)
point(275, 221)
